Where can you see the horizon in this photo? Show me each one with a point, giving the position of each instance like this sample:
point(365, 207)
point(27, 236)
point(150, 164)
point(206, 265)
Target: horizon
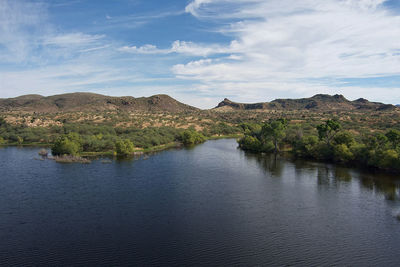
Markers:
point(202, 51)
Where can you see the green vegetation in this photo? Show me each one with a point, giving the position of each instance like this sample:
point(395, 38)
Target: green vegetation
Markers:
point(191, 137)
point(70, 144)
point(77, 136)
point(88, 140)
point(328, 130)
point(124, 147)
point(274, 131)
point(328, 142)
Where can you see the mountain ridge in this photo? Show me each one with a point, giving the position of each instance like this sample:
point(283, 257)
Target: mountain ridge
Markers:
point(316, 102)
point(91, 102)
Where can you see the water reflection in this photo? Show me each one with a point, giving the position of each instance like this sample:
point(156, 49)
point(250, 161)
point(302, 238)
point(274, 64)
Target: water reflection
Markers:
point(331, 174)
point(389, 185)
point(273, 164)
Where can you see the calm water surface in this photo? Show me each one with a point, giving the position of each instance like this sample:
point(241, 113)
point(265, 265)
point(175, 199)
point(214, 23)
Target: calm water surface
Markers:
point(210, 205)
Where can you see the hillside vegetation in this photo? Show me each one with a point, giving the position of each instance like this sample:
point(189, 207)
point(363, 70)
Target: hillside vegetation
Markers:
point(89, 102)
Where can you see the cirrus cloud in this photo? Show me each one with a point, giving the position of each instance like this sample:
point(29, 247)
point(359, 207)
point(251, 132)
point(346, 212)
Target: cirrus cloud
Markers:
point(303, 46)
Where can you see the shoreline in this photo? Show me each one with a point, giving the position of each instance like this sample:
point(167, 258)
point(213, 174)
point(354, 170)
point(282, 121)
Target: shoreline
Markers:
point(175, 145)
point(286, 154)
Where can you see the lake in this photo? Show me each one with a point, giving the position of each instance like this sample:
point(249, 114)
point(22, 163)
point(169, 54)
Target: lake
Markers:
point(208, 205)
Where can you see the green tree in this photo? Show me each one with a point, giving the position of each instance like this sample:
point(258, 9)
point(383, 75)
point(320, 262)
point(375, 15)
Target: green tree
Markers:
point(389, 159)
point(342, 153)
point(249, 128)
point(294, 133)
point(20, 140)
point(124, 147)
point(65, 146)
point(394, 137)
point(345, 138)
point(306, 147)
point(328, 130)
point(274, 131)
point(376, 142)
point(191, 137)
point(250, 143)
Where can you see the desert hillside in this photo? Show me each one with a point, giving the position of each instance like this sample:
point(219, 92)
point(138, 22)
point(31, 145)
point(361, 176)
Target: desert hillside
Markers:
point(89, 102)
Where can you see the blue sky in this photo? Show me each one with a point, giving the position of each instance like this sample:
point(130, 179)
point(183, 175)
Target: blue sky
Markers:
point(200, 51)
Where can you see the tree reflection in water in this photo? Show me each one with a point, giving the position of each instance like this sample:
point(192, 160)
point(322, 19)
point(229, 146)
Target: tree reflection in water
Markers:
point(331, 174)
point(271, 163)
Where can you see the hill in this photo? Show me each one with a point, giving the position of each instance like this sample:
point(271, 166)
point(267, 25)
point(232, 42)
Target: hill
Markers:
point(319, 102)
point(89, 102)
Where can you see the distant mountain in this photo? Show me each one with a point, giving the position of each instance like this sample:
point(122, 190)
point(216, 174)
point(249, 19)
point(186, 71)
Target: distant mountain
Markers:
point(89, 102)
point(317, 102)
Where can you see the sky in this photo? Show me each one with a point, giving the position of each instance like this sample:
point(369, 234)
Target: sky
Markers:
point(201, 51)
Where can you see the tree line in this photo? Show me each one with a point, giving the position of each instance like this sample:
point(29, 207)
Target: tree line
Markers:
point(327, 142)
point(74, 144)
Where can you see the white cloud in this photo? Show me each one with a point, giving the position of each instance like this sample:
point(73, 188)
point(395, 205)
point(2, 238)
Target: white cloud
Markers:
point(195, 5)
point(146, 49)
point(26, 37)
point(72, 39)
point(179, 47)
point(20, 22)
point(279, 44)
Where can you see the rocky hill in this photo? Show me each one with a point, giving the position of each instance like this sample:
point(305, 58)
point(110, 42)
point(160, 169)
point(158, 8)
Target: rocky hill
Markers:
point(320, 102)
point(89, 102)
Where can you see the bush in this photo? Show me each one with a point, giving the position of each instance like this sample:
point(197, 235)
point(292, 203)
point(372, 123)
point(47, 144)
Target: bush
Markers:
point(124, 147)
point(360, 153)
point(324, 151)
point(342, 153)
point(250, 143)
point(20, 140)
point(306, 147)
point(191, 137)
point(394, 138)
point(390, 159)
point(65, 146)
point(345, 138)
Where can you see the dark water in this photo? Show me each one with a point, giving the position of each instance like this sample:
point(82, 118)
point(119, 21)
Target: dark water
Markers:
point(211, 205)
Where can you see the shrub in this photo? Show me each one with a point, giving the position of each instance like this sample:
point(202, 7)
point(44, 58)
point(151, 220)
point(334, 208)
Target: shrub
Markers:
point(345, 138)
point(394, 138)
point(65, 146)
point(390, 159)
point(342, 153)
point(124, 147)
point(306, 147)
point(360, 152)
point(250, 143)
point(20, 140)
point(191, 137)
